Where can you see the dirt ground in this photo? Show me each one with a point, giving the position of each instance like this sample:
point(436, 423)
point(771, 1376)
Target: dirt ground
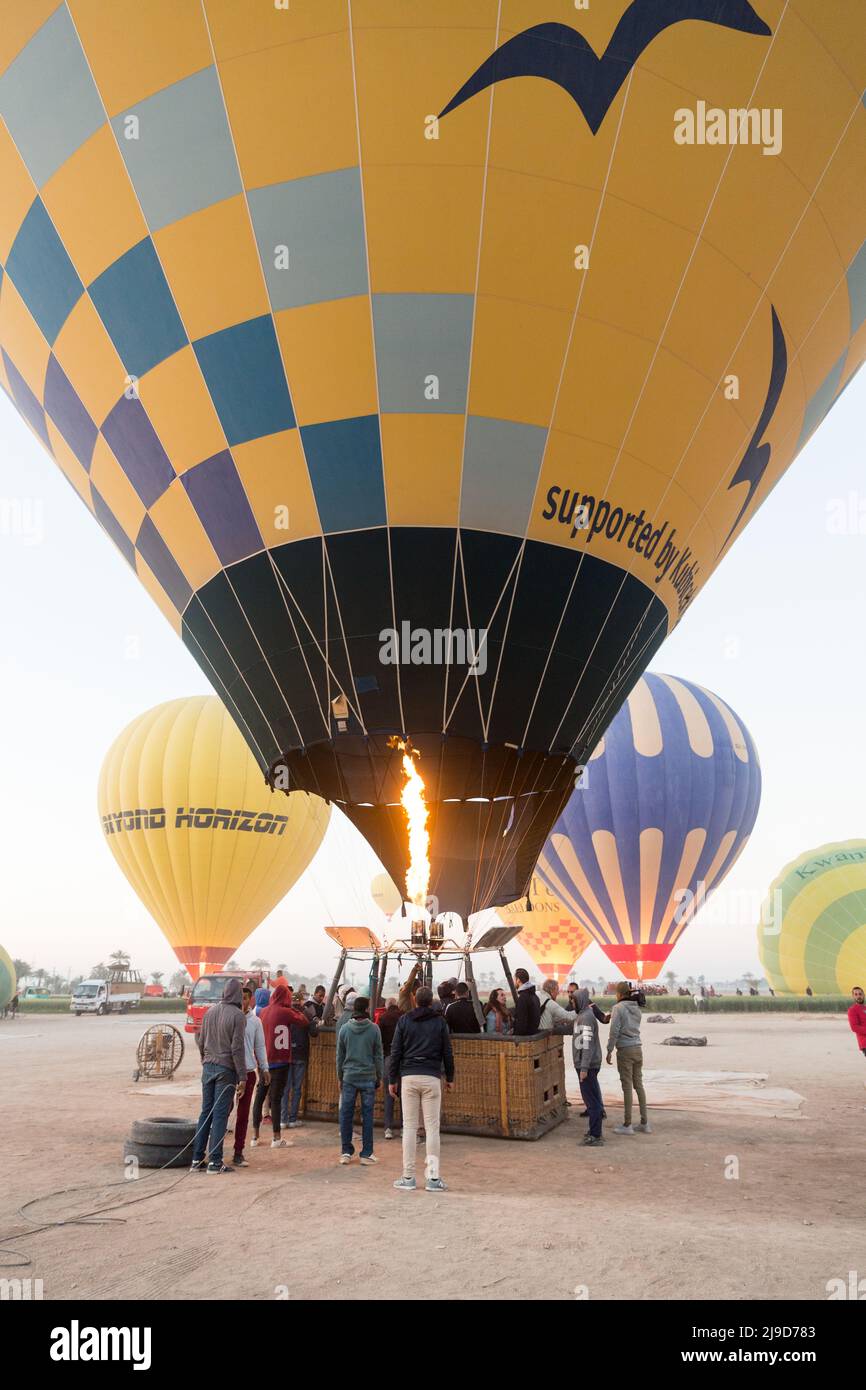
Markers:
point(651, 1216)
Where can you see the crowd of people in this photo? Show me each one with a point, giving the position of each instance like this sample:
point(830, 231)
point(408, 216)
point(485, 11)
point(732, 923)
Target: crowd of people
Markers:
point(254, 1047)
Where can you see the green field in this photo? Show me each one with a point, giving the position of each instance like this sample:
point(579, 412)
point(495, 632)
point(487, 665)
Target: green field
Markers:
point(659, 1003)
point(59, 1004)
point(737, 1004)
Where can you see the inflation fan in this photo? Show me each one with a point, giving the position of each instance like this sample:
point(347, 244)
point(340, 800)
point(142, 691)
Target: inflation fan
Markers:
point(159, 1053)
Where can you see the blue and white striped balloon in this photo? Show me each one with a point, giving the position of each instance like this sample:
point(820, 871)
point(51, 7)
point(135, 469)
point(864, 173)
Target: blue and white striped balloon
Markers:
point(666, 805)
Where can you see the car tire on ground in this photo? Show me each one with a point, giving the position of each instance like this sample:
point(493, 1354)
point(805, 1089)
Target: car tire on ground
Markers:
point(170, 1130)
point(158, 1155)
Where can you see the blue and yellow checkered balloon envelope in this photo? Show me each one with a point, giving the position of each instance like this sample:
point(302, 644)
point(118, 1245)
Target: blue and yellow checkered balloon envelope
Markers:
point(424, 359)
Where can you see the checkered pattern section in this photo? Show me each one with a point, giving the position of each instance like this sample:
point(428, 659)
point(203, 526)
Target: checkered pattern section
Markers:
point(237, 285)
point(556, 945)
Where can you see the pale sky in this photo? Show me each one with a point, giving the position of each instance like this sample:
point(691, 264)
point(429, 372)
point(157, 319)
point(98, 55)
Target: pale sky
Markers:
point(777, 632)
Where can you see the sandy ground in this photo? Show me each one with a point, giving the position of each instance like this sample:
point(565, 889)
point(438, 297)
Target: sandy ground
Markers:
point(645, 1217)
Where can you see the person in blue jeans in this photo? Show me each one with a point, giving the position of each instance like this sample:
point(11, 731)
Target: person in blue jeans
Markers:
point(221, 1043)
point(360, 1067)
point(298, 1067)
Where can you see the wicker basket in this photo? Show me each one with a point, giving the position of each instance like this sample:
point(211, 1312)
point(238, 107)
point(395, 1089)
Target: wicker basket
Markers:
point(506, 1088)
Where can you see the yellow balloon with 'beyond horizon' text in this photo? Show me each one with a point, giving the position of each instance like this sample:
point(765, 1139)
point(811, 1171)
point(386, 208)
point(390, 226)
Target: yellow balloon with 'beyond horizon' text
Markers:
point(208, 847)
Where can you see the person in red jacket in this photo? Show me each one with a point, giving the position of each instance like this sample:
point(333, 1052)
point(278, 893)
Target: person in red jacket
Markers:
point(857, 1018)
point(277, 1020)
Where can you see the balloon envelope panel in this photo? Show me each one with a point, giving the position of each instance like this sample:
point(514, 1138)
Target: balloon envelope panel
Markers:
point(670, 798)
point(340, 325)
point(208, 847)
point(385, 893)
point(812, 932)
point(549, 932)
point(8, 982)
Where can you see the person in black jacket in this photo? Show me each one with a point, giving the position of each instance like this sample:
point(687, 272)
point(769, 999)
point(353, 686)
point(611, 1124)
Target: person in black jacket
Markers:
point(387, 1022)
point(527, 1014)
point(420, 1052)
point(460, 1015)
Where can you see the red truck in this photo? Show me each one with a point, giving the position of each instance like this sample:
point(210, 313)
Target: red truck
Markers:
point(208, 989)
point(154, 991)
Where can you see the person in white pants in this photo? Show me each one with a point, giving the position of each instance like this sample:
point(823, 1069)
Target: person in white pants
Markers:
point(420, 1053)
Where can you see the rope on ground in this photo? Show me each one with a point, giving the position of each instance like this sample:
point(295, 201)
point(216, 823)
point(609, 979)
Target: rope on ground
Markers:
point(22, 1261)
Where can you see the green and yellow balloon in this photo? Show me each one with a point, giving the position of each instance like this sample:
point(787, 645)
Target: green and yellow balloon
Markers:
point(812, 932)
point(8, 981)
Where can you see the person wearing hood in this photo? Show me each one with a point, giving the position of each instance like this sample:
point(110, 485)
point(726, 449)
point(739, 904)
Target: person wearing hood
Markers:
point(360, 1067)
point(420, 1052)
point(527, 1013)
point(221, 1043)
point(261, 999)
point(624, 1035)
point(586, 1052)
point(277, 1020)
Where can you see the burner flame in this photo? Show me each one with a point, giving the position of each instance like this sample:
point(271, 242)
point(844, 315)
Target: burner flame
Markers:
point(413, 803)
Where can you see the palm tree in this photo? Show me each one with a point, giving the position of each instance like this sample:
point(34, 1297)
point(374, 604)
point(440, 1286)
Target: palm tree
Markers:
point(119, 960)
point(260, 964)
point(671, 978)
point(22, 970)
point(231, 965)
point(156, 977)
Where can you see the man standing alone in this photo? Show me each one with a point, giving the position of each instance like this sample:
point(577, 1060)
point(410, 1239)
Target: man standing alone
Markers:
point(420, 1052)
point(857, 1018)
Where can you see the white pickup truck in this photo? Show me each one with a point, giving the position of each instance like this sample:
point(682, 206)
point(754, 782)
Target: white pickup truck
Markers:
point(118, 994)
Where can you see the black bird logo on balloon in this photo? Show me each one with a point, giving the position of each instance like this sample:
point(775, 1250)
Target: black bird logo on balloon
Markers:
point(562, 55)
point(753, 464)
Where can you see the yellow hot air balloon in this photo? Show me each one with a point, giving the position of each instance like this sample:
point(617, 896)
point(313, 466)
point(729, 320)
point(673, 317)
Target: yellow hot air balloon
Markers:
point(8, 981)
point(550, 934)
point(207, 846)
point(386, 894)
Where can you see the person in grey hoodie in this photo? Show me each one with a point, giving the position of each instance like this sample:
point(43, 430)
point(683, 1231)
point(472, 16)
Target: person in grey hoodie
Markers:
point(624, 1035)
point(360, 1067)
point(586, 1051)
point(221, 1042)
